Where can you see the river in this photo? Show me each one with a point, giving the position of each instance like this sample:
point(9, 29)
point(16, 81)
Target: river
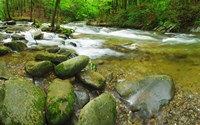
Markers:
point(128, 54)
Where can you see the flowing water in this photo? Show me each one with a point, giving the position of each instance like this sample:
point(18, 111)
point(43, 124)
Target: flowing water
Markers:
point(128, 54)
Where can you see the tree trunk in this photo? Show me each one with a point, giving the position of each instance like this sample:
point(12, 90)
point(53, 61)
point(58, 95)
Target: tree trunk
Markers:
point(31, 12)
point(54, 13)
point(8, 10)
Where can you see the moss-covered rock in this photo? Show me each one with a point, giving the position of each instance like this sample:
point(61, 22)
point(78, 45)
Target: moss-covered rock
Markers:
point(55, 58)
point(3, 36)
point(92, 78)
point(23, 103)
point(60, 101)
point(4, 50)
point(99, 111)
point(4, 74)
point(38, 68)
point(17, 46)
point(71, 66)
point(18, 37)
point(11, 22)
point(37, 35)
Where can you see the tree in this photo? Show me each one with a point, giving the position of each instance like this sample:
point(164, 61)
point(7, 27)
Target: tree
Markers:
point(8, 10)
point(54, 13)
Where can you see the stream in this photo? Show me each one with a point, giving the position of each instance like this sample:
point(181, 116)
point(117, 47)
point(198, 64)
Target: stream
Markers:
point(128, 54)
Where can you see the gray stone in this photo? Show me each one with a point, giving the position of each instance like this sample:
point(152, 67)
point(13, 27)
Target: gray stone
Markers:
point(23, 103)
point(60, 101)
point(71, 66)
point(99, 111)
point(38, 68)
point(82, 97)
point(92, 78)
point(148, 94)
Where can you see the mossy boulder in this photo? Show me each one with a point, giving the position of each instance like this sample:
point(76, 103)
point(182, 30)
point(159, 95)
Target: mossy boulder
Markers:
point(11, 22)
point(55, 58)
point(4, 74)
point(38, 68)
point(37, 35)
point(53, 49)
point(23, 103)
point(4, 50)
point(71, 66)
point(92, 78)
point(3, 36)
point(18, 37)
point(16, 46)
point(99, 111)
point(60, 101)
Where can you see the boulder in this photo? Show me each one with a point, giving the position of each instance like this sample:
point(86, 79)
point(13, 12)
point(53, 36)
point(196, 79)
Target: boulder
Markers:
point(45, 28)
point(4, 50)
point(4, 74)
point(99, 111)
point(148, 94)
point(53, 49)
point(3, 36)
point(38, 68)
point(82, 97)
point(37, 35)
point(23, 103)
point(92, 78)
point(17, 46)
point(62, 36)
point(55, 58)
point(71, 66)
point(60, 101)
point(18, 37)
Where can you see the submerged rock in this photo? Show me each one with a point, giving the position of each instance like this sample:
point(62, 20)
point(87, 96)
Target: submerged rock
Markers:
point(71, 66)
point(23, 103)
point(17, 46)
point(55, 58)
point(92, 78)
point(38, 68)
point(147, 94)
point(60, 101)
point(4, 50)
point(99, 111)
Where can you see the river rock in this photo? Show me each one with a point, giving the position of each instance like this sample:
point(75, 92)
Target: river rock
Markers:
point(147, 94)
point(60, 101)
point(4, 74)
point(4, 50)
point(45, 28)
point(62, 36)
point(37, 35)
point(3, 36)
point(17, 46)
point(82, 97)
point(53, 49)
point(71, 66)
point(55, 58)
point(23, 103)
point(18, 37)
point(38, 68)
point(11, 22)
point(99, 111)
point(92, 78)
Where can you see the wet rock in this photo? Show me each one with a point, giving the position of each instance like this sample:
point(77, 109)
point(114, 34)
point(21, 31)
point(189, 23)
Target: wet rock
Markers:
point(3, 27)
point(53, 49)
point(38, 68)
point(99, 111)
point(3, 36)
point(11, 22)
point(17, 46)
point(45, 28)
point(55, 58)
point(37, 35)
point(92, 78)
point(23, 103)
point(71, 66)
point(18, 37)
point(4, 74)
point(62, 36)
point(70, 52)
point(82, 97)
point(147, 94)
point(4, 50)
point(60, 101)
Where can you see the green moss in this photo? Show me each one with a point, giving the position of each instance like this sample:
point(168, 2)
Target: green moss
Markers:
point(4, 50)
point(17, 46)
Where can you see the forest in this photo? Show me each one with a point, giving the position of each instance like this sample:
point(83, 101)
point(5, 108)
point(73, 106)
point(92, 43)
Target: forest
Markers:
point(141, 14)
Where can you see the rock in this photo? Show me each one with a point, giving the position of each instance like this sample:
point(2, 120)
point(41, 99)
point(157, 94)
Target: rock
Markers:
point(17, 46)
point(3, 36)
point(23, 103)
point(38, 68)
point(4, 74)
point(82, 97)
point(99, 111)
point(55, 58)
point(70, 52)
point(45, 28)
point(37, 35)
point(60, 101)
point(18, 37)
point(147, 94)
point(92, 78)
point(62, 36)
point(53, 49)
point(4, 50)
point(71, 66)
point(11, 22)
